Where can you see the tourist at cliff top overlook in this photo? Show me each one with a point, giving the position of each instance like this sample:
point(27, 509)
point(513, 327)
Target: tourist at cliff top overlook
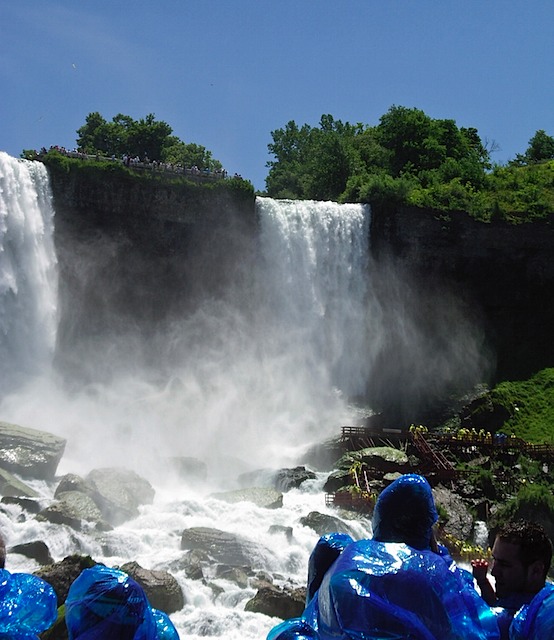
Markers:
point(397, 585)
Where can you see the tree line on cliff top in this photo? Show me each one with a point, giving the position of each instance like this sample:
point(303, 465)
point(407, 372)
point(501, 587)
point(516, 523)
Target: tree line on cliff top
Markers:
point(411, 158)
point(146, 138)
point(407, 158)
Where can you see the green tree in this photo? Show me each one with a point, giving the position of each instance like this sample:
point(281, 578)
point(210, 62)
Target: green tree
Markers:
point(290, 147)
point(148, 137)
point(431, 149)
point(190, 155)
point(91, 136)
point(541, 147)
point(330, 160)
point(145, 137)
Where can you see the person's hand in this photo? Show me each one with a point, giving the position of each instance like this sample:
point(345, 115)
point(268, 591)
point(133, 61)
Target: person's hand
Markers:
point(480, 566)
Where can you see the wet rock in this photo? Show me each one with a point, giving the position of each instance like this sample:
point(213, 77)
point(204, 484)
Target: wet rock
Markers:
point(29, 452)
point(260, 496)
point(322, 523)
point(72, 482)
point(161, 588)
point(28, 505)
point(119, 492)
point(237, 575)
point(37, 550)
point(385, 459)
point(287, 479)
point(278, 602)
point(460, 520)
point(13, 487)
point(193, 562)
point(276, 529)
point(61, 575)
point(226, 548)
point(73, 508)
point(337, 479)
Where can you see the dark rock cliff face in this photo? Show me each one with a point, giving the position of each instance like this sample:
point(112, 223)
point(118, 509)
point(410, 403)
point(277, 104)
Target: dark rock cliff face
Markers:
point(135, 255)
point(476, 299)
point(504, 273)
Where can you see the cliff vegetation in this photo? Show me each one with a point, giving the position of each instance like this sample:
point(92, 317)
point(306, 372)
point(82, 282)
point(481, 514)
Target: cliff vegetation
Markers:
point(410, 158)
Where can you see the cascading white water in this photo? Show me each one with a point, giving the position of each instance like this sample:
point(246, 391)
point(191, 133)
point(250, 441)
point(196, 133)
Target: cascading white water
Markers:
point(317, 254)
point(28, 271)
point(255, 376)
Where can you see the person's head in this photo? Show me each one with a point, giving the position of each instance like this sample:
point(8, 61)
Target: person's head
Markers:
point(405, 512)
point(522, 553)
point(107, 603)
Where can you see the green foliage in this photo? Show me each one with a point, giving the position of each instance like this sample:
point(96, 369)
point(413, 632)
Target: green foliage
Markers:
point(103, 170)
point(519, 194)
point(540, 149)
point(532, 502)
point(530, 404)
point(410, 158)
point(146, 138)
point(190, 155)
point(29, 154)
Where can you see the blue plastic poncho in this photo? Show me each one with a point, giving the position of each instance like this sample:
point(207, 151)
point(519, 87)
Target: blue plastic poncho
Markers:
point(28, 605)
point(405, 512)
point(379, 590)
point(535, 621)
point(107, 604)
point(384, 588)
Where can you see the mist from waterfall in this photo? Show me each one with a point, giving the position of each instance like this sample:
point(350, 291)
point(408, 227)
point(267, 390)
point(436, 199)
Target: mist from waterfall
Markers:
point(28, 271)
point(246, 379)
point(244, 376)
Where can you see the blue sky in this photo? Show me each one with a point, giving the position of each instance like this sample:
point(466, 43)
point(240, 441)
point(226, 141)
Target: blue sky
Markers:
point(224, 73)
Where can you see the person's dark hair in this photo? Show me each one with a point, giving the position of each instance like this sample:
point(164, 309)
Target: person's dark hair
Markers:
point(532, 540)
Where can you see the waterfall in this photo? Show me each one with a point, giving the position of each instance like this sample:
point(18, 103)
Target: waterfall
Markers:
point(317, 281)
point(254, 374)
point(28, 272)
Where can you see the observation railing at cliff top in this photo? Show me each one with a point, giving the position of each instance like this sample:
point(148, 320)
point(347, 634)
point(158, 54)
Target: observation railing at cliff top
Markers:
point(491, 445)
point(154, 167)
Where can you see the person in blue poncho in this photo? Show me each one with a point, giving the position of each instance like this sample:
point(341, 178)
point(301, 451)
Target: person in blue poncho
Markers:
point(28, 604)
point(522, 599)
point(398, 585)
point(107, 604)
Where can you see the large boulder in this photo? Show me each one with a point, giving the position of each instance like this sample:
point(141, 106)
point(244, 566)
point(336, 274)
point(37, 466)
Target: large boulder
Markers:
point(61, 575)
point(460, 520)
point(287, 479)
point(224, 547)
point(26, 504)
point(260, 496)
point(161, 588)
point(73, 482)
point(278, 602)
point(73, 508)
point(14, 488)
point(322, 523)
point(337, 479)
point(29, 452)
point(119, 493)
point(385, 459)
point(36, 550)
